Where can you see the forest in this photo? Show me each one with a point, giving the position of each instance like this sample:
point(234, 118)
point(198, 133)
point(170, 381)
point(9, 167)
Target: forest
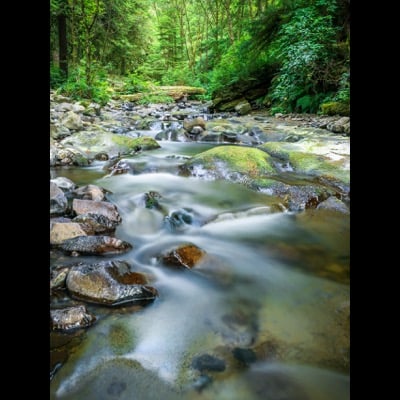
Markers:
point(297, 52)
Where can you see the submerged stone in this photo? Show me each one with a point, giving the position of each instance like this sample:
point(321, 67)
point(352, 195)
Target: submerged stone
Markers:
point(207, 362)
point(71, 318)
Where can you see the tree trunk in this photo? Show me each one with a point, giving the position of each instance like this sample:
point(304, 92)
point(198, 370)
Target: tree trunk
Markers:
point(62, 44)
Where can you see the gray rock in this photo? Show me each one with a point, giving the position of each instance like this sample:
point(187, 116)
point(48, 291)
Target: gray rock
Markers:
point(59, 131)
point(63, 183)
point(71, 318)
point(58, 201)
point(94, 224)
point(109, 210)
point(108, 282)
point(333, 203)
point(63, 107)
point(92, 245)
point(71, 120)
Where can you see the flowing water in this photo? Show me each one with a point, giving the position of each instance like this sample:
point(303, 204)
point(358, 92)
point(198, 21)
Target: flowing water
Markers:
point(271, 299)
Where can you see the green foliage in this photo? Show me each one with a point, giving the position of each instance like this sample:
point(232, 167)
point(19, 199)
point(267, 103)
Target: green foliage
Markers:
point(155, 99)
point(135, 83)
point(77, 87)
point(56, 77)
point(310, 66)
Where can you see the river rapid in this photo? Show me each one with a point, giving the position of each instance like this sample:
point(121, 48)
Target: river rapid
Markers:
point(269, 305)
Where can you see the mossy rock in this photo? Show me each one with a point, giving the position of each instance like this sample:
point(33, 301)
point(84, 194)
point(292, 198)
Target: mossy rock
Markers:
point(93, 142)
point(336, 108)
point(249, 166)
point(307, 163)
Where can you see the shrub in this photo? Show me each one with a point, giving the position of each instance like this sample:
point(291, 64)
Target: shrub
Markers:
point(335, 108)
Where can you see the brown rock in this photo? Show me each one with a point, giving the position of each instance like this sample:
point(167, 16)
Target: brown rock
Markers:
point(109, 210)
point(61, 231)
point(108, 282)
point(70, 318)
point(186, 255)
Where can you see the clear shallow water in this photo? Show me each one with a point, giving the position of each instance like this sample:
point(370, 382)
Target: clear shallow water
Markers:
point(274, 283)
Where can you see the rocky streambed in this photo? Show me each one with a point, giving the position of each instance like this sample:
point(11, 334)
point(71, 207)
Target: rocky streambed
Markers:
point(197, 254)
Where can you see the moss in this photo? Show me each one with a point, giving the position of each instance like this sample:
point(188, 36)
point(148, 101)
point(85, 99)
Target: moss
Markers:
point(307, 163)
point(128, 144)
point(248, 166)
point(249, 161)
point(335, 108)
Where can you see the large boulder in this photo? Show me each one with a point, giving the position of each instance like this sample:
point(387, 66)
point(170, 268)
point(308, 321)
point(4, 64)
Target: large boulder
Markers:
point(93, 142)
point(304, 159)
point(71, 120)
point(109, 210)
point(108, 282)
point(248, 166)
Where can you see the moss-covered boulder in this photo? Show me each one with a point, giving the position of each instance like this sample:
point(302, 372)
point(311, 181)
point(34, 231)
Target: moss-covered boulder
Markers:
point(249, 166)
point(313, 164)
point(93, 142)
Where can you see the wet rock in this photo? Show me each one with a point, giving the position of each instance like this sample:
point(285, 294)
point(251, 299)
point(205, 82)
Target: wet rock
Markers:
point(90, 192)
point(58, 201)
point(189, 124)
point(102, 156)
point(303, 161)
point(93, 142)
point(245, 356)
point(151, 200)
point(109, 210)
point(71, 318)
point(93, 224)
point(58, 275)
point(71, 120)
point(62, 231)
point(71, 156)
point(120, 167)
point(185, 256)
point(207, 362)
point(181, 219)
point(64, 183)
point(248, 166)
point(91, 245)
point(109, 282)
point(333, 203)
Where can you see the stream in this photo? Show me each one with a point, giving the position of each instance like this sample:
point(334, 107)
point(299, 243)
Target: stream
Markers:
point(270, 303)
